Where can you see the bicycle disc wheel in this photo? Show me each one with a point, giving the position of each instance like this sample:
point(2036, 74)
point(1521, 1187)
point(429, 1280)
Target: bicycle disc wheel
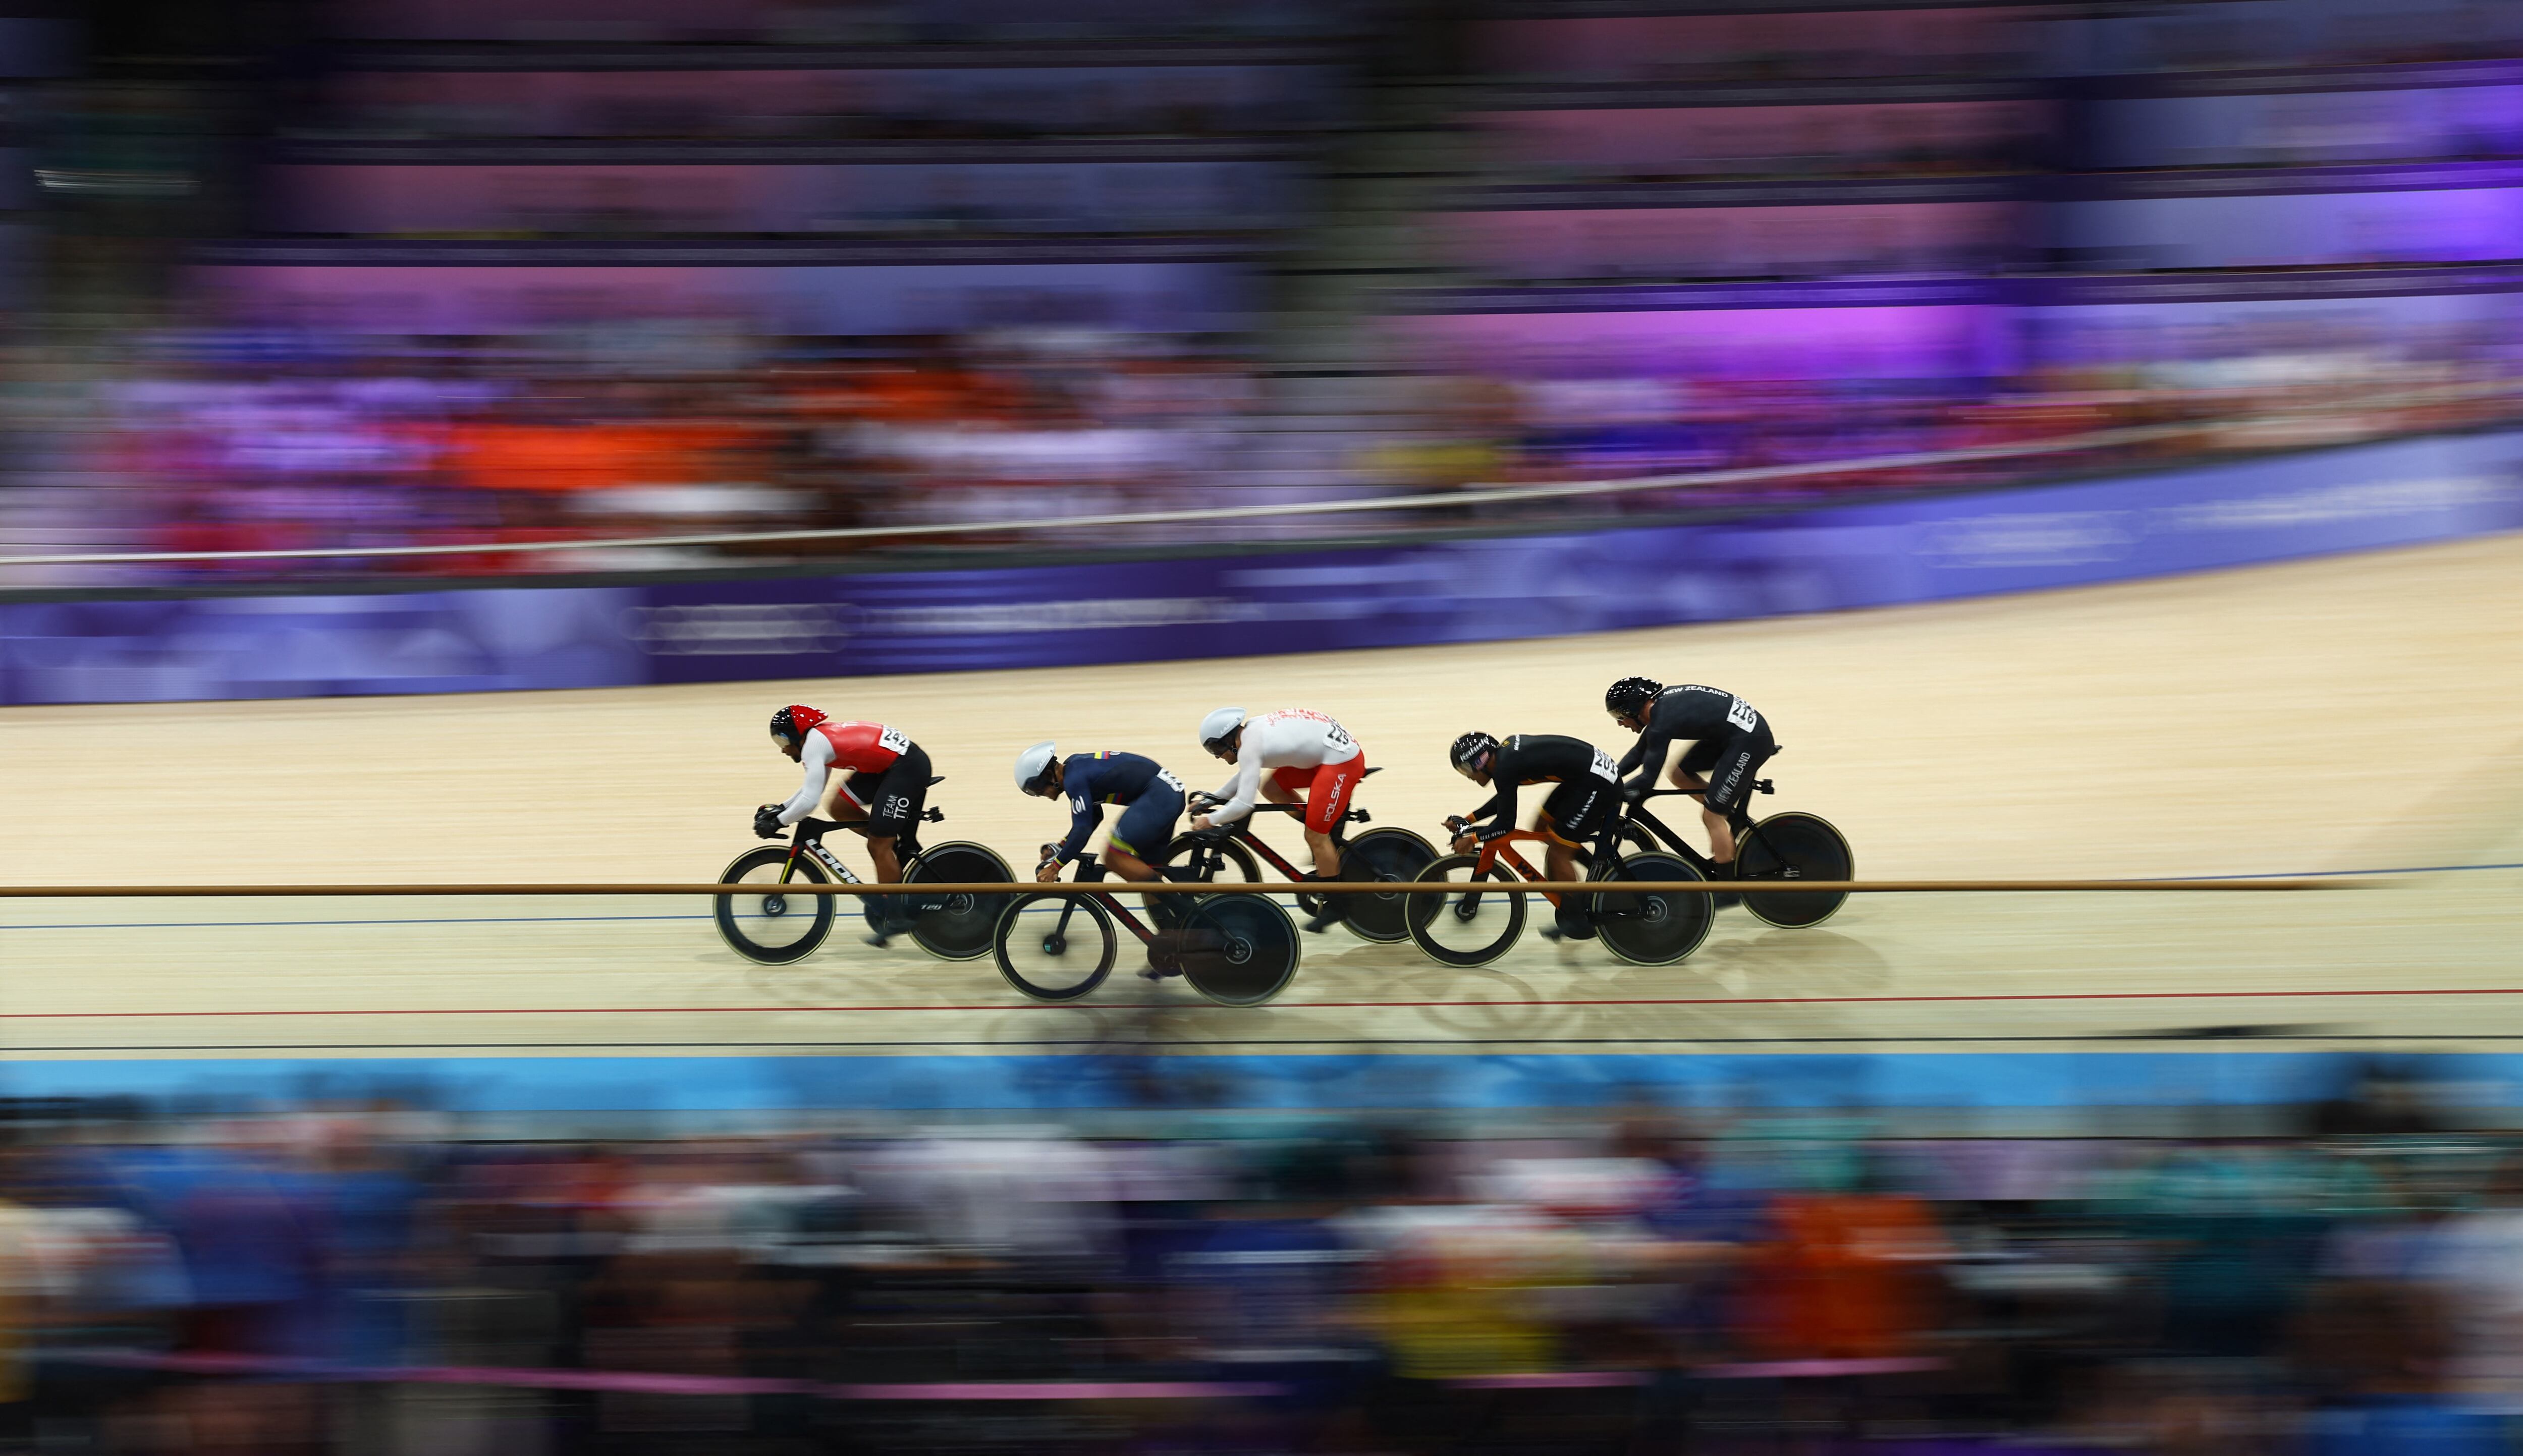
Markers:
point(771, 927)
point(1472, 926)
point(1188, 859)
point(1650, 927)
point(1050, 957)
point(1793, 846)
point(1239, 950)
point(1387, 856)
point(960, 927)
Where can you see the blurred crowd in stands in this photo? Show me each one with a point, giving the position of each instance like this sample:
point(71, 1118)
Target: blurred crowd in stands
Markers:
point(1544, 169)
point(364, 1280)
point(211, 444)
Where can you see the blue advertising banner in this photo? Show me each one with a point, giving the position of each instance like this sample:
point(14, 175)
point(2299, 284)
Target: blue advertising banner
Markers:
point(1828, 559)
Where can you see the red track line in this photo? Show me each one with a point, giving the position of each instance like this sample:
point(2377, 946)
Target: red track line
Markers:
point(1154, 1006)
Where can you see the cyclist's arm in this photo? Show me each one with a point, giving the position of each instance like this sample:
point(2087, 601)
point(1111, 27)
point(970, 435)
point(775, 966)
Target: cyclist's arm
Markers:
point(1084, 813)
point(1503, 772)
point(817, 756)
point(1648, 757)
point(1244, 790)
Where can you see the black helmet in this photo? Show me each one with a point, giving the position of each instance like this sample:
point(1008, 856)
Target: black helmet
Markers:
point(1469, 750)
point(1629, 697)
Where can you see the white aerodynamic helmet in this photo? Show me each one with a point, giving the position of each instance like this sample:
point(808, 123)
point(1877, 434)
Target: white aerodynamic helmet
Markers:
point(1034, 764)
point(1218, 726)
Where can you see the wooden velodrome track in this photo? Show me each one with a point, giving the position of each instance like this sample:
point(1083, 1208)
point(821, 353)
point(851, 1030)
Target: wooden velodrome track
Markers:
point(2344, 714)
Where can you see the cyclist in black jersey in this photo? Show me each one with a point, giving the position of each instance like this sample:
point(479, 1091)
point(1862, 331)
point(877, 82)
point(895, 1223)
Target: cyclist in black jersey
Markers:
point(1587, 787)
point(1728, 743)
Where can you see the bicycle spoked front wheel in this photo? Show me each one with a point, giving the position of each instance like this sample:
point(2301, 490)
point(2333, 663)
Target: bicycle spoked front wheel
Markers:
point(1054, 947)
point(1651, 927)
point(956, 926)
point(1388, 856)
point(1238, 950)
point(771, 926)
point(1788, 847)
point(1472, 924)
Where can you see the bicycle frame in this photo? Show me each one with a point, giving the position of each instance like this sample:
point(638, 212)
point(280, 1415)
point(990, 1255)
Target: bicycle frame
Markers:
point(809, 840)
point(1502, 848)
point(1664, 833)
point(1242, 833)
point(1091, 871)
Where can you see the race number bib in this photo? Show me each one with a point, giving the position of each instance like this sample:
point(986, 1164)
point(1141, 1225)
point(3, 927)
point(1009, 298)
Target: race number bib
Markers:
point(1167, 777)
point(1335, 735)
point(1604, 768)
point(1740, 714)
point(893, 740)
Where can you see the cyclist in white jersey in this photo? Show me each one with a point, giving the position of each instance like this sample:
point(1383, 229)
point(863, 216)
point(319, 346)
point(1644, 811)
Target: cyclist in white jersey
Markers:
point(1294, 756)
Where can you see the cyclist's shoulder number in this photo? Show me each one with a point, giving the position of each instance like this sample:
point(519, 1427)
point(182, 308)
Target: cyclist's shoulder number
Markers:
point(1740, 714)
point(1604, 768)
point(893, 740)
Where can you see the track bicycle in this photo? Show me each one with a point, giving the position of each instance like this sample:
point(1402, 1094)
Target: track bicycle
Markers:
point(1236, 949)
point(1788, 846)
point(1388, 855)
point(1475, 926)
point(776, 928)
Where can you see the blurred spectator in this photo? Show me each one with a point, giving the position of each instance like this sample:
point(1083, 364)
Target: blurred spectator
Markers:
point(1575, 1288)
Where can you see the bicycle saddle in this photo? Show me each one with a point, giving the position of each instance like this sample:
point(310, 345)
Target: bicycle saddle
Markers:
point(935, 780)
point(1372, 770)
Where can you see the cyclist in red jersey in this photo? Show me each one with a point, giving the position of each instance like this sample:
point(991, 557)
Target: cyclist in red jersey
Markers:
point(886, 788)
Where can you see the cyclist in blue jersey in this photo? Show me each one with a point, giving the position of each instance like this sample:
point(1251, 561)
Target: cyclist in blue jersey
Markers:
point(1153, 800)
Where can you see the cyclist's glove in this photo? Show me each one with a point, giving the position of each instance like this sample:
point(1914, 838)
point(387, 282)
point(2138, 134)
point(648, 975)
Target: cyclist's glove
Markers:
point(766, 822)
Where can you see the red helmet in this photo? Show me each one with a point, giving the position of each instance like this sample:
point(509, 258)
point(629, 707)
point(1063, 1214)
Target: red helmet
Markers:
point(791, 724)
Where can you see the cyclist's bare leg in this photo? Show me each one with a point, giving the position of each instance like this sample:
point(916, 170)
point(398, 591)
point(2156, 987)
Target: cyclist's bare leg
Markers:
point(1130, 867)
point(1559, 861)
point(836, 806)
point(1721, 833)
point(1720, 836)
point(1326, 853)
point(840, 809)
